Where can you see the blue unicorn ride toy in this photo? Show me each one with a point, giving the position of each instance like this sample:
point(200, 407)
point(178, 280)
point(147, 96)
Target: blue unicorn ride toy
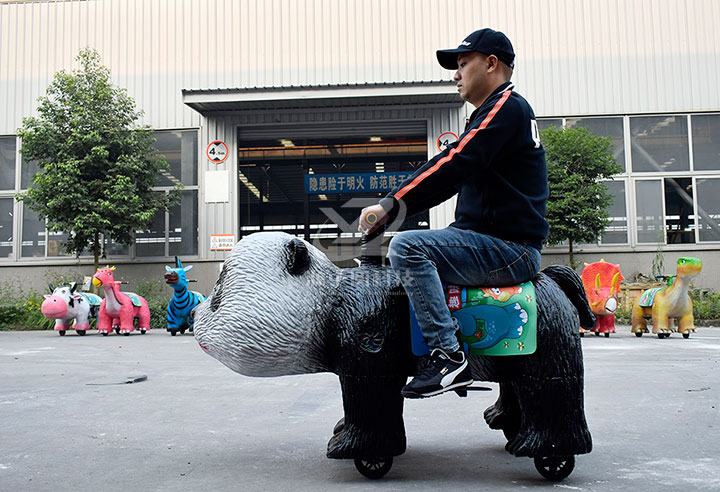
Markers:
point(184, 300)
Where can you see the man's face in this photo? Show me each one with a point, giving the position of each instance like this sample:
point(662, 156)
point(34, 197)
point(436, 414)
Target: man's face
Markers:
point(472, 77)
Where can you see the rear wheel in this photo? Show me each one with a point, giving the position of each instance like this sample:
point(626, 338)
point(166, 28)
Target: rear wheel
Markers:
point(555, 468)
point(61, 333)
point(374, 468)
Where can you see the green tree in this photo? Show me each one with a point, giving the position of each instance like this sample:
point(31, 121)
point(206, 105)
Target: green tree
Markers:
point(577, 161)
point(97, 164)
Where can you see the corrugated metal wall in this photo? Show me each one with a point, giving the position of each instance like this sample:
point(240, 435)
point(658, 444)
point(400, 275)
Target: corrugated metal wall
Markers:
point(575, 57)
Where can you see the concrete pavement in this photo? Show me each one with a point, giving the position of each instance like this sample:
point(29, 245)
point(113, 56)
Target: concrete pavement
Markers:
point(68, 422)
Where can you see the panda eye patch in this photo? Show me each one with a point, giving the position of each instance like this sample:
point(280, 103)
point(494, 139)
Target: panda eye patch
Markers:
point(218, 291)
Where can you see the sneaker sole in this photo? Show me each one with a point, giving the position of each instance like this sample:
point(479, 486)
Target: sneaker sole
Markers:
point(415, 395)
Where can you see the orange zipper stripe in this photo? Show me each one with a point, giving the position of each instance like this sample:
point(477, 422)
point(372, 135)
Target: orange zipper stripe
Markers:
point(457, 149)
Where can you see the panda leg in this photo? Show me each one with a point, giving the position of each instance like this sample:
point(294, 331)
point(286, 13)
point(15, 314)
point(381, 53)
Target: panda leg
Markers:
point(504, 415)
point(373, 425)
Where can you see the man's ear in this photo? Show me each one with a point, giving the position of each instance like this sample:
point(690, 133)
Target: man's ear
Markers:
point(492, 62)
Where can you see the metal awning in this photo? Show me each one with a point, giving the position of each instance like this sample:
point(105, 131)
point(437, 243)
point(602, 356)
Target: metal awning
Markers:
point(224, 101)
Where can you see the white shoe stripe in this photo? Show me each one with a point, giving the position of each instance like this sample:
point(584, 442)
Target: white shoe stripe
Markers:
point(448, 378)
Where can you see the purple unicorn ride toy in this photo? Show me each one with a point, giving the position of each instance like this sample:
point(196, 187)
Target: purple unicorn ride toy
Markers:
point(183, 301)
point(64, 303)
point(119, 309)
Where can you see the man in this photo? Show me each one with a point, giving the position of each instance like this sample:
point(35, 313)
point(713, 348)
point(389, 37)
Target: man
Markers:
point(497, 168)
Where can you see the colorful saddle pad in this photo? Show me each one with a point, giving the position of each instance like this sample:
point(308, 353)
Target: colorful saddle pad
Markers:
point(648, 297)
point(134, 298)
point(92, 299)
point(489, 320)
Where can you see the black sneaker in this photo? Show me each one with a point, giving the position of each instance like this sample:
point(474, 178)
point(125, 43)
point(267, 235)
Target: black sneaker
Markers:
point(443, 373)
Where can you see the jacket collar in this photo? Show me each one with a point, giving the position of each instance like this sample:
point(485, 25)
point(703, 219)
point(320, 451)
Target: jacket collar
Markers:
point(506, 86)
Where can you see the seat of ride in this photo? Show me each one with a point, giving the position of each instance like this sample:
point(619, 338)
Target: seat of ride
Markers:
point(489, 320)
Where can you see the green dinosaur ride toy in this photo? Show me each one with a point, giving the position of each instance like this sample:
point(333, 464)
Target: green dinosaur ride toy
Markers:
point(663, 303)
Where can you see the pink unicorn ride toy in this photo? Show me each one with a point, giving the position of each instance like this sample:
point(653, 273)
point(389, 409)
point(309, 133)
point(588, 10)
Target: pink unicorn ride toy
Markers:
point(64, 304)
point(119, 309)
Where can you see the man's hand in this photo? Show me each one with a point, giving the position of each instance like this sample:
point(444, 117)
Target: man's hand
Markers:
point(371, 218)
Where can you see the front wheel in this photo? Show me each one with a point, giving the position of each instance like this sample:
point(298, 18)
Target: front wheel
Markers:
point(555, 468)
point(81, 333)
point(638, 334)
point(374, 468)
point(61, 333)
point(686, 335)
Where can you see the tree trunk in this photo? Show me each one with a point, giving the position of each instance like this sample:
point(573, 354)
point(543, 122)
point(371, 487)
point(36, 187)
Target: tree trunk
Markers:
point(570, 254)
point(96, 255)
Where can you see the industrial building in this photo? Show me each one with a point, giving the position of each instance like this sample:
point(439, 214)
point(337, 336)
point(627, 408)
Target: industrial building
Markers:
point(292, 114)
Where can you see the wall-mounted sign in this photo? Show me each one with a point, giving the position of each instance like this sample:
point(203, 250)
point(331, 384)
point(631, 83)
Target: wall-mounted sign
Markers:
point(445, 139)
point(316, 184)
point(222, 242)
point(217, 151)
point(216, 186)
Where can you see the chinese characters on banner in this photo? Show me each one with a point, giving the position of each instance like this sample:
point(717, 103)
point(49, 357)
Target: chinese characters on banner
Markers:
point(353, 183)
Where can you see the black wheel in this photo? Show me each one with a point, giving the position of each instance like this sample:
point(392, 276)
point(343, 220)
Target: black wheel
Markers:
point(686, 334)
point(582, 335)
point(638, 334)
point(105, 333)
point(117, 331)
point(663, 335)
point(597, 333)
point(142, 332)
point(182, 331)
point(374, 468)
point(555, 468)
point(173, 332)
point(127, 333)
point(61, 333)
point(81, 332)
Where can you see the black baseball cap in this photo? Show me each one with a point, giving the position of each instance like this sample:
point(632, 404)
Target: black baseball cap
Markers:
point(485, 41)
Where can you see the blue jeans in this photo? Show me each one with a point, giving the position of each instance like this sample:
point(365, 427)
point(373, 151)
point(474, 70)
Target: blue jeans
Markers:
point(425, 259)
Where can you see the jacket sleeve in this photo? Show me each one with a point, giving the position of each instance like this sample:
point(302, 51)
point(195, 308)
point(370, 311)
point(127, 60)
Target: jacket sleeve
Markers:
point(438, 179)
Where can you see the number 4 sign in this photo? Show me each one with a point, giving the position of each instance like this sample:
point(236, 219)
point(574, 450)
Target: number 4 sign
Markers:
point(217, 151)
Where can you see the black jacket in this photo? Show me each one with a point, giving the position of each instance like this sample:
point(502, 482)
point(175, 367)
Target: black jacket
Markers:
point(498, 169)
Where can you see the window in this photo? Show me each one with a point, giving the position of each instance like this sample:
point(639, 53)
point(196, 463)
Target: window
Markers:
point(7, 163)
point(659, 143)
point(679, 215)
point(604, 127)
point(616, 232)
point(6, 227)
point(706, 142)
point(665, 211)
point(180, 151)
point(184, 225)
point(174, 232)
point(33, 234)
point(649, 218)
point(28, 169)
point(708, 197)
point(548, 122)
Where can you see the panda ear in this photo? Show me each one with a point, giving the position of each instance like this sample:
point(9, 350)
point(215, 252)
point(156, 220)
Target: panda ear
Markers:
point(298, 257)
